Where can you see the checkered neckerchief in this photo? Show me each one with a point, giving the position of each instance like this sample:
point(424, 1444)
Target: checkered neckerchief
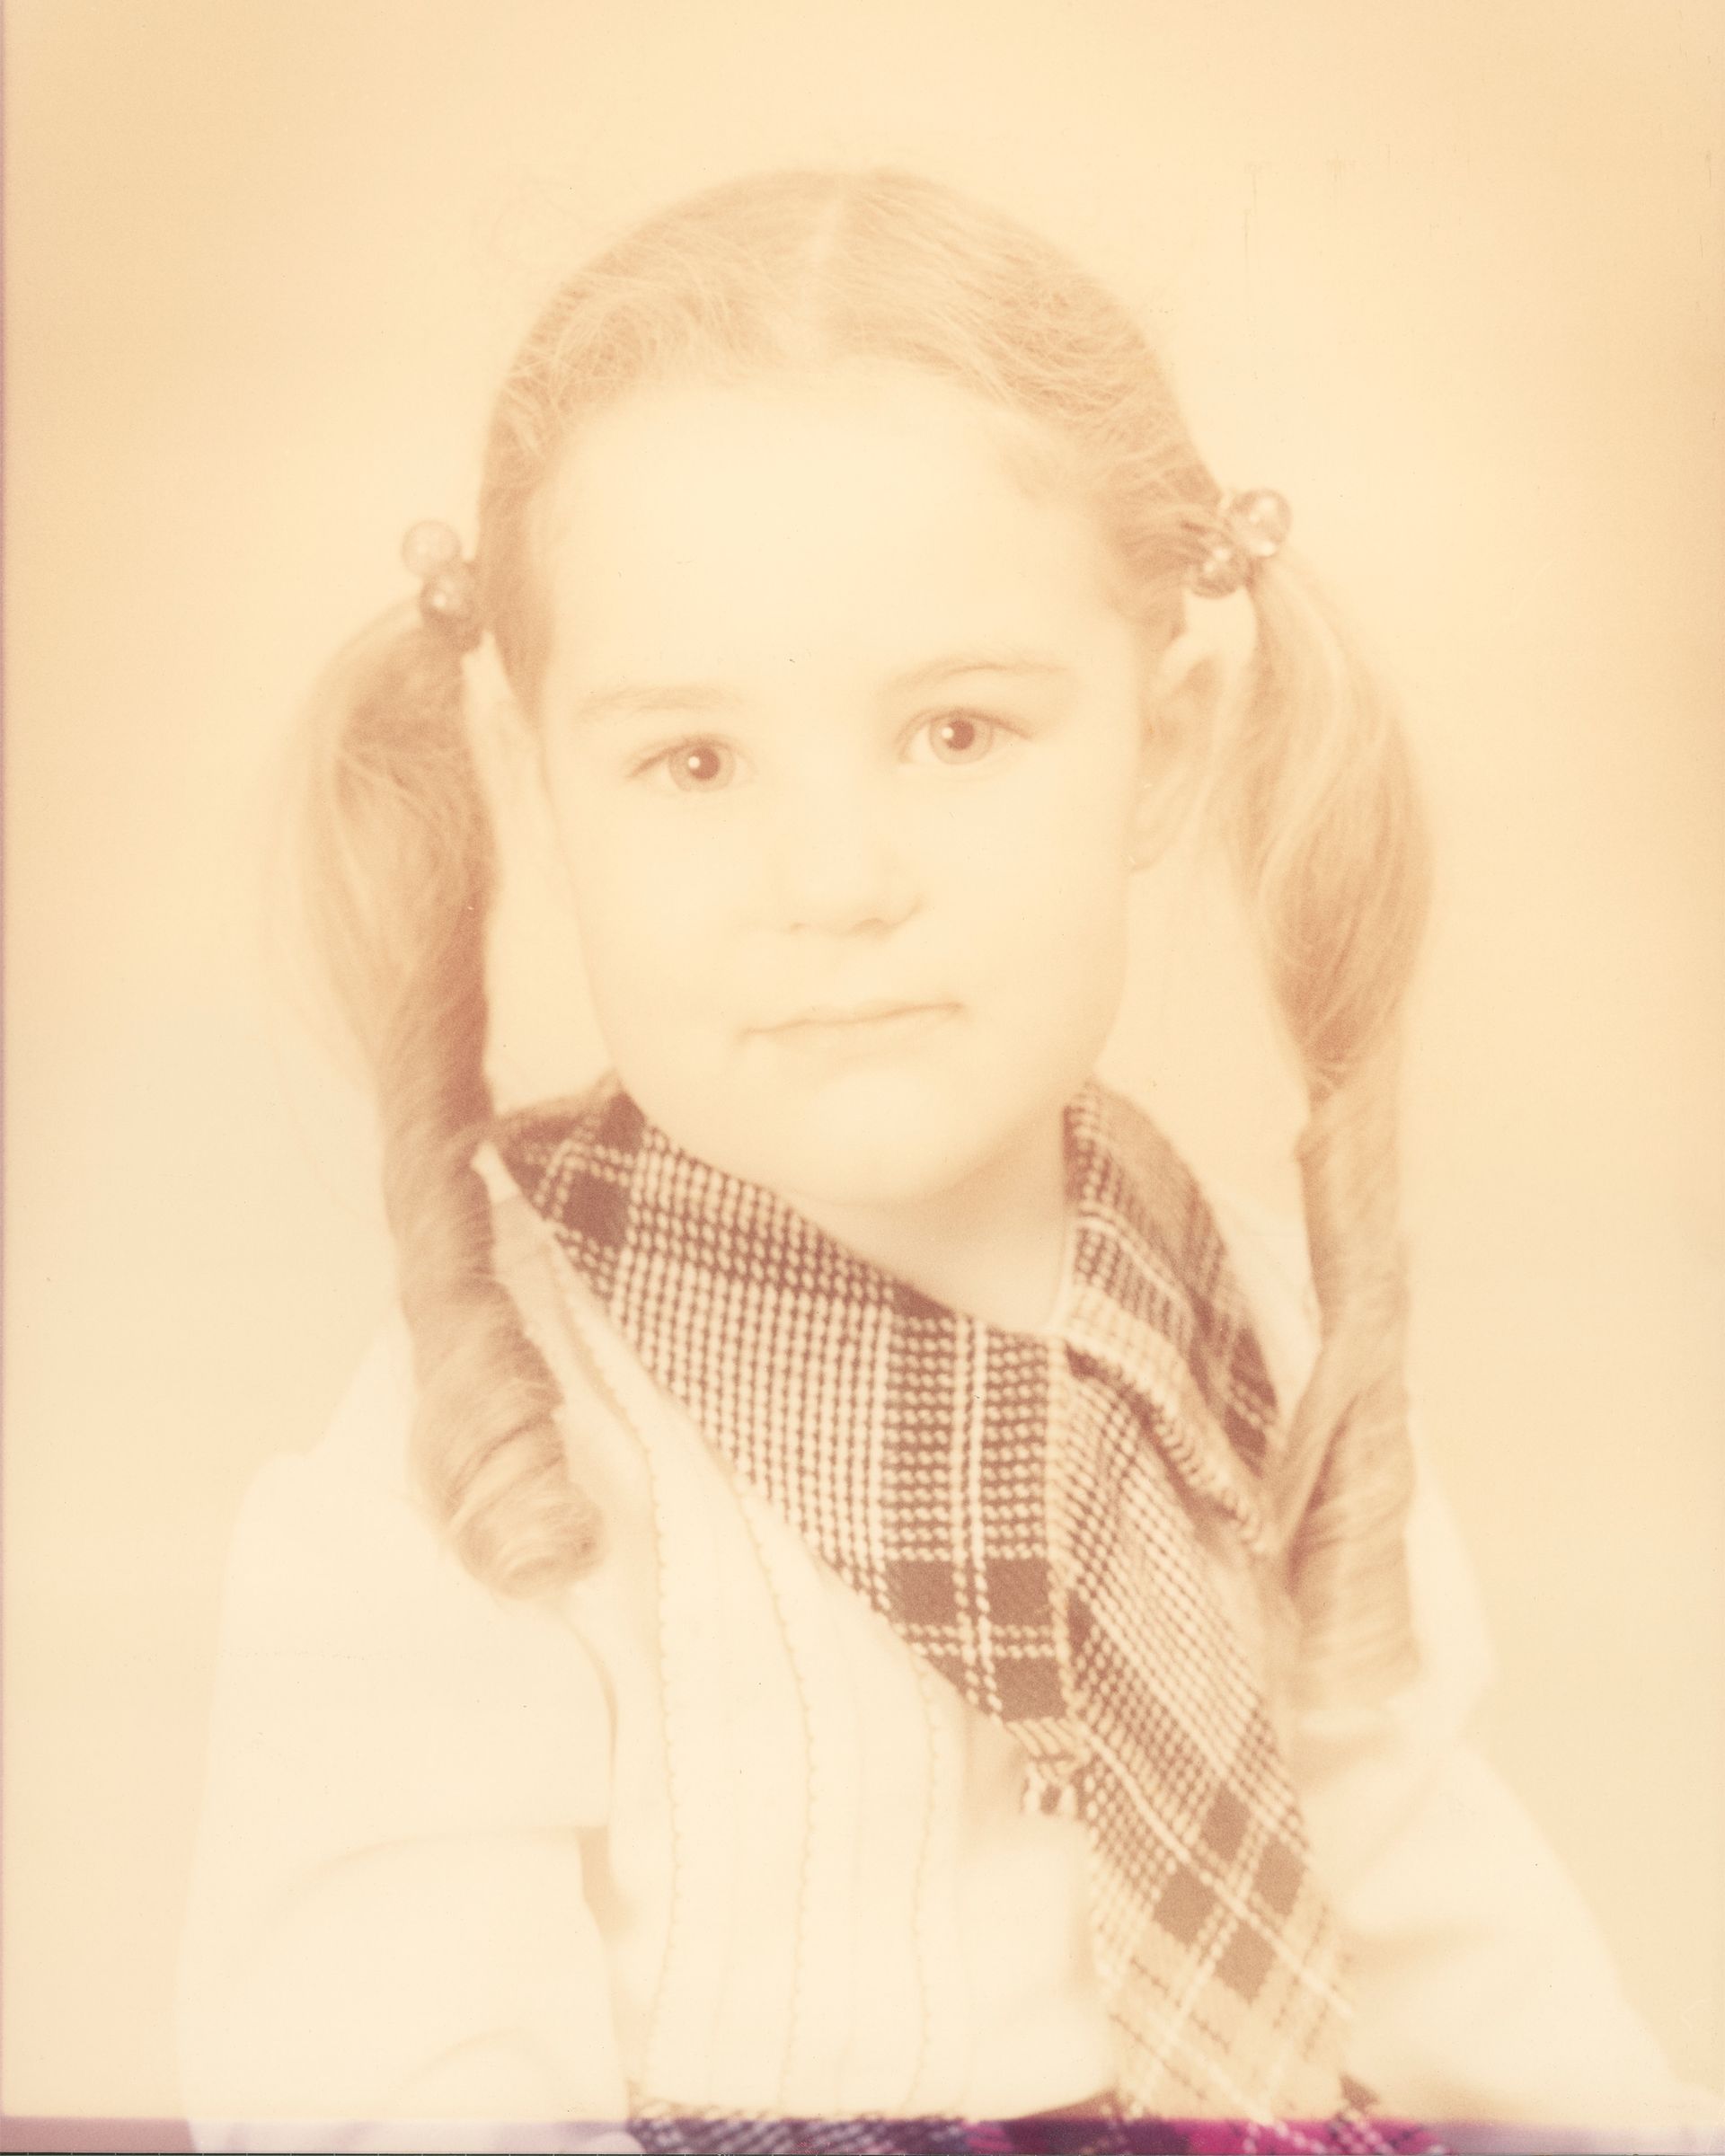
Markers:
point(1024, 1508)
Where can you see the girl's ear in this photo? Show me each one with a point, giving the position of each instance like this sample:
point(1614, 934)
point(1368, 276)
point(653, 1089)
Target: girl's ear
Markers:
point(1193, 690)
point(512, 753)
point(507, 748)
point(503, 738)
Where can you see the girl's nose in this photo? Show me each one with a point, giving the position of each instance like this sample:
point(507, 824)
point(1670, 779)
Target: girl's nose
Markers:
point(839, 861)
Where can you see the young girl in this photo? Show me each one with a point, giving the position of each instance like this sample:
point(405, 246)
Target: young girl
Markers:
point(850, 1606)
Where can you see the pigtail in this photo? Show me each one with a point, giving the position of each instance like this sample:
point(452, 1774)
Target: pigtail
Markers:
point(397, 854)
point(1325, 824)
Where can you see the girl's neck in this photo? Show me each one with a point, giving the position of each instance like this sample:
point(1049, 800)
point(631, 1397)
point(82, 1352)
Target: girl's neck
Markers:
point(993, 1246)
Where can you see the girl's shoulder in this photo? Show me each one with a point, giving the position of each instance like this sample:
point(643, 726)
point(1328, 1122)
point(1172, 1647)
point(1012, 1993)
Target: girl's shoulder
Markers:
point(1267, 1257)
point(336, 1554)
point(339, 1511)
point(1232, 1263)
point(1267, 1252)
point(1457, 1665)
point(336, 1547)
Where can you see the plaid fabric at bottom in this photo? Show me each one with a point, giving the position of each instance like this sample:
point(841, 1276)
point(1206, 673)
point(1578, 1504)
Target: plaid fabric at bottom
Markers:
point(727, 2134)
point(1023, 1509)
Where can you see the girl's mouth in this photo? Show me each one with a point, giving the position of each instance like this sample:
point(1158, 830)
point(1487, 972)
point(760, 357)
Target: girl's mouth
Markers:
point(860, 1029)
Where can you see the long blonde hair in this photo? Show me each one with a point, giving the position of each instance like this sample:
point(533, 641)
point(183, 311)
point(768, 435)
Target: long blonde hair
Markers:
point(1314, 802)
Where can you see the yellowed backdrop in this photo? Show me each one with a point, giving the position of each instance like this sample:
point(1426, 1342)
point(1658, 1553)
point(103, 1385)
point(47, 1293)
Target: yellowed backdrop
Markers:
point(1448, 274)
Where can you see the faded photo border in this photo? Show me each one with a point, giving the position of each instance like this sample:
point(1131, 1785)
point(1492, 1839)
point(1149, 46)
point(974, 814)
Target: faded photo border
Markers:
point(1448, 276)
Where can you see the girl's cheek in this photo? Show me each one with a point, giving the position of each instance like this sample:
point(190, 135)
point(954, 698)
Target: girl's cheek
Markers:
point(669, 883)
point(630, 832)
point(1052, 849)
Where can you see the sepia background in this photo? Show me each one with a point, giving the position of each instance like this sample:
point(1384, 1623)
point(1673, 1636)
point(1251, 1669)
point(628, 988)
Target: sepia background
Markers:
point(1448, 274)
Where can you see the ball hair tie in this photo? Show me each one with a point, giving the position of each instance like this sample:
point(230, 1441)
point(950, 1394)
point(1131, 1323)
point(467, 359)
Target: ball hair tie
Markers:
point(448, 586)
point(1253, 525)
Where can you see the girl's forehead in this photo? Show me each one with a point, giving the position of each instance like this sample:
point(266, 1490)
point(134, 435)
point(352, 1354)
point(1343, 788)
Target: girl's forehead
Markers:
point(859, 514)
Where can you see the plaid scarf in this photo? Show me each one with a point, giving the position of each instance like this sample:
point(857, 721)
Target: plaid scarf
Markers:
point(1025, 1510)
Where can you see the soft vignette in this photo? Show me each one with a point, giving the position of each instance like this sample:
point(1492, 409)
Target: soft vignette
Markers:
point(1448, 275)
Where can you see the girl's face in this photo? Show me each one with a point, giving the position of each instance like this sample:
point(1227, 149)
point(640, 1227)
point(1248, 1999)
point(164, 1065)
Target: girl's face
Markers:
point(843, 740)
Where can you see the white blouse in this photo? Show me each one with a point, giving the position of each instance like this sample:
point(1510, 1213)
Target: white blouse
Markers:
point(703, 1829)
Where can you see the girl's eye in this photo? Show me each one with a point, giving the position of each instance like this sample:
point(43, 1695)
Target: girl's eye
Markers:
point(700, 766)
point(959, 736)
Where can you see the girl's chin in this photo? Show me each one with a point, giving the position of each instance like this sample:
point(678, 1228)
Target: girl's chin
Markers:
point(886, 1131)
point(854, 1169)
point(902, 1145)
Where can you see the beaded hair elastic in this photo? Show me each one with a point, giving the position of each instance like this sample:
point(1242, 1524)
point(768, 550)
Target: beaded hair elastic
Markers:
point(1253, 526)
point(448, 587)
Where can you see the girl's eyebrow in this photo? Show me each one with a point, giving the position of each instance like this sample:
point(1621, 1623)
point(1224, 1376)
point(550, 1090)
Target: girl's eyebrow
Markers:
point(1015, 663)
point(631, 701)
point(637, 698)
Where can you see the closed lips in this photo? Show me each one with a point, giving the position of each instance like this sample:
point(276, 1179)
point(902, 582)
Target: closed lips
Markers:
point(856, 1014)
